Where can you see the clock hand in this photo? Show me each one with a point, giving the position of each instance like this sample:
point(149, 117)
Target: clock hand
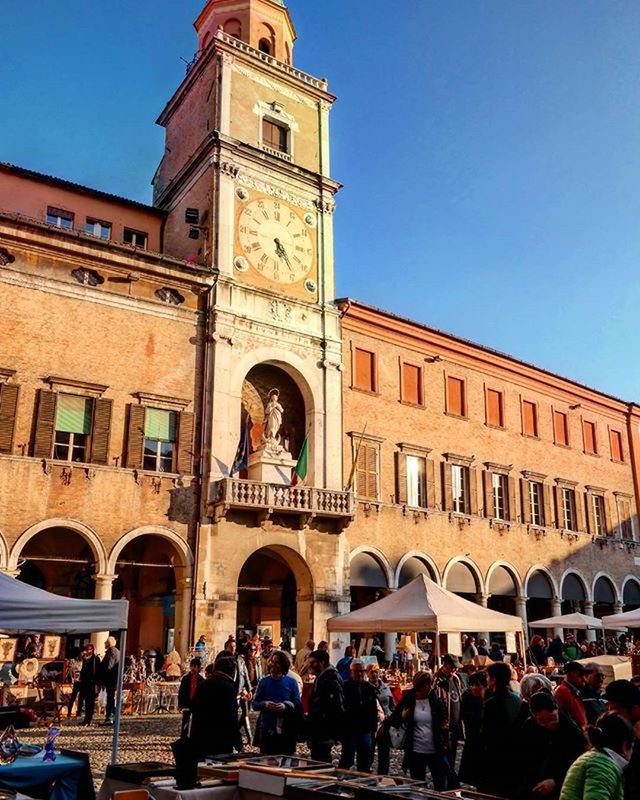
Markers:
point(281, 252)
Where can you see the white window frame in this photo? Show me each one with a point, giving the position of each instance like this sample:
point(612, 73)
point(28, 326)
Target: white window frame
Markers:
point(569, 521)
point(101, 226)
point(58, 219)
point(500, 491)
point(460, 489)
point(536, 503)
point(135, 235)
point(599, 517)
point(416, 468)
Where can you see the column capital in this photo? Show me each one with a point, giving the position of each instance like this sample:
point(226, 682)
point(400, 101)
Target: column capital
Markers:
point(618, 607)
point(521, 598)
point(588, 607)
point(12, 573)
point(103, 578)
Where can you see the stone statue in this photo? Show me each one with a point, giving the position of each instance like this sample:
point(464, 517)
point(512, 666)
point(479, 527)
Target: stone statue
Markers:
point(272, 423)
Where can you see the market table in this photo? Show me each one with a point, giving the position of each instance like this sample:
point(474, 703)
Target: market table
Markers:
point(66, 775)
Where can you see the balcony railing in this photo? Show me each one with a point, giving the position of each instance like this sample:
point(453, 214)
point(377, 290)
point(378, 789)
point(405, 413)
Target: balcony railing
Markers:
point(268, 498)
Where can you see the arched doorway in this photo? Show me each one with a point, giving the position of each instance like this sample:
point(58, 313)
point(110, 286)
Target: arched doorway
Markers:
point(368, 580)
point(275, 595)
point(151, 571)
point(604, 597)
point(59, 560)
point(503, 591)
point(572, 594)
point(540, 596)
point(462, 580)
point(259, 381)
point(413, 567)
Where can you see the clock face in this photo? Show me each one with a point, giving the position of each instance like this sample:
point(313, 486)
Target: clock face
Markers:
point(275, 240)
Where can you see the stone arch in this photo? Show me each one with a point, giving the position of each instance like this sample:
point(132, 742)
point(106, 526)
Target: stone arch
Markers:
point(616, 593)
point(513, 572)
point(80, 528)
point(152, 530)
point(233, 27)
point(547, 574)
point(628, 581)
point(380, 558)
point(266, 39)
point(580, 578)
point(429, 563)
point(471, 565)
point(288, 362)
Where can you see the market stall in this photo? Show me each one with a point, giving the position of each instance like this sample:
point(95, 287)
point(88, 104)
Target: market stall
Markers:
point(26, 609)
point(578, 622)
point(422, 605)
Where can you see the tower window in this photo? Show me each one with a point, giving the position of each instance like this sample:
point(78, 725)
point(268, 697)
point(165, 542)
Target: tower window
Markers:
point(264, 45)
point(275, 136)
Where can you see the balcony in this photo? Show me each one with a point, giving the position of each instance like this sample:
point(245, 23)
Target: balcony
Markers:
point(266, 499)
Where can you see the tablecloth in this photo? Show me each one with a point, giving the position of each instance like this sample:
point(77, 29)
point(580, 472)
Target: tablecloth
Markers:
point(28, 773)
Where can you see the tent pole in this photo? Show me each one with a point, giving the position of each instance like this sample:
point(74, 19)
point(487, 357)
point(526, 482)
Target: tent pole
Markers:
point(436, 664)
point(116, 723)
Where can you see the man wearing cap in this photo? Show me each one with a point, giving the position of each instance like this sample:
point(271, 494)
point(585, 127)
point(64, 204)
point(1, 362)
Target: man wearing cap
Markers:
point(569, 694)
point(449, 689)
point(624, 698)
point(594, 702)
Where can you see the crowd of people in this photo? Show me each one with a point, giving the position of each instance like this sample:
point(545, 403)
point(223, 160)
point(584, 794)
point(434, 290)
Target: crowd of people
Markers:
point(92, 674)
point(511, 734)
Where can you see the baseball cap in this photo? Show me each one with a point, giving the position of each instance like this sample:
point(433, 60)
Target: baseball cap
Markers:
point(623, 692)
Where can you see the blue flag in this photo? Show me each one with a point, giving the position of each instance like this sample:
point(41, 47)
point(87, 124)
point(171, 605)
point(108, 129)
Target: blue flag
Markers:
point(241, 461)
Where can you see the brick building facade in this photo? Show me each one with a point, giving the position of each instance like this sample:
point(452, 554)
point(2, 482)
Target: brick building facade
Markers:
point(136, 341)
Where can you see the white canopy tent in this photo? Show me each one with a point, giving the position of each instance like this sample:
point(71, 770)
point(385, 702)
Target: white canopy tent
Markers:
point(630, 619)
point(422, 605)
point(26, 609)
point(579, 622)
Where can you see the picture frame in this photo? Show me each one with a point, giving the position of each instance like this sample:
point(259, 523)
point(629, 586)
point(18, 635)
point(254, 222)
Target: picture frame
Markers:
point(8, 649)
point(265, 631)
point(51, 648)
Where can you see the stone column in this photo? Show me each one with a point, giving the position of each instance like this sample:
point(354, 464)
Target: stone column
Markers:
point(184, 589)
point(556, 611)
point(618, 607)
point(588, 610)
point(389, 645)
point(483, 600)
point(103, 591)
point(521, 611)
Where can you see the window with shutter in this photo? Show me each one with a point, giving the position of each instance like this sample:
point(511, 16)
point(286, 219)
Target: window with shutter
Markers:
point(535, 501)
point(45, 424)
point(460, 489)
point(597, 515)
point(367, 481)
point(529, 418)
point(74, 417)
point(275, 136)
point(560, 428)
point(8, 408)
point(589, 434)
point(185, 442)
point(495, 412)
point(411, 384)
point(159, 439)
point(416, 483)
point(500, 496)
point(456, 396)
point(624, 511)
point(568, 509)
point(135, 437)
point(364, 369)
point(100, 431)
point(617, 453)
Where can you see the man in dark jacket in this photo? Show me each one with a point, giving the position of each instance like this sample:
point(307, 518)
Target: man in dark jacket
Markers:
point(214, 724)
point(448, 686)
point(361, 719)
point(326, 707)
point(89, 674)
point(189, 685)
point(109, 669)
point(624, 698)
point(548, 743)
point(500, 723)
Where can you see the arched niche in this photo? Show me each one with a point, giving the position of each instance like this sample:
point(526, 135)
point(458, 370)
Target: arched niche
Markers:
point(368, 580)
point(462, 579)
point(631, 595)
point(540, 593)
point(573, 594)
point(233, 27)
point(502, 588)
point(412, 567)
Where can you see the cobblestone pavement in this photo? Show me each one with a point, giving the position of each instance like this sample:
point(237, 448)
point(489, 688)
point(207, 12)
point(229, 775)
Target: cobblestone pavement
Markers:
point(146, 738)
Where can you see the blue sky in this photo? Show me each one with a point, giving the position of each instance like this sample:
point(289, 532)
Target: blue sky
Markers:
point(490, 151)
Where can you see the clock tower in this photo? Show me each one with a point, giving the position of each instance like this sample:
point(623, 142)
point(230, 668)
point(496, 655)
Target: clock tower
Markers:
point(245, 179)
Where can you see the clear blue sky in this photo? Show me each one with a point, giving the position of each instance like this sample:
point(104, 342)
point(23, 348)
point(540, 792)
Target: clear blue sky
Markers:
point(490, 151)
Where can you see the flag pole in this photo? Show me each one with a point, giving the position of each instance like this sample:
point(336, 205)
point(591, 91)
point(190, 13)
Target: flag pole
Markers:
point(354, 465)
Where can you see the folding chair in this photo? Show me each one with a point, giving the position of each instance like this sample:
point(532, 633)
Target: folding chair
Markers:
point(49, 704)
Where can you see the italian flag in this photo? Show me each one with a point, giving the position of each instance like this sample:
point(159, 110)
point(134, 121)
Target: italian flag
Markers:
point(300, 472)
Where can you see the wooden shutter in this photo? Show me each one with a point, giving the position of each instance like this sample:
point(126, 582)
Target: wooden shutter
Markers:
point(579, 499)
point(513, 502)
point(401, 478)
point(616, 446)
point(494, 408)
point(45, 424)
point(431, 483)
point(372, 472)
point(364, 369)
point(525, 501)
point(590, 517)
point(100, 431)
point(473, 491)
point(487, 482)
point(529, 418)
point(361, 470)
point(608, 522)
point(560, 428)
point(548, 505)
point(447, 493)
point(557, 490)
point(455, 396)
point(411, 384)
point(589, 431)
point(135, 437)
point(8, 407)
point(186, 421)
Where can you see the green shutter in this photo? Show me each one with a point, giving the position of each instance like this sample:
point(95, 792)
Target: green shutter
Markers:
point(73, 414)
point(160, 425)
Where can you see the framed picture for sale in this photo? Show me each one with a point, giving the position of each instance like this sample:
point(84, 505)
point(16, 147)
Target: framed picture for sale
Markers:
point(265, 631)
point(7, 649)
point(51, 649)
